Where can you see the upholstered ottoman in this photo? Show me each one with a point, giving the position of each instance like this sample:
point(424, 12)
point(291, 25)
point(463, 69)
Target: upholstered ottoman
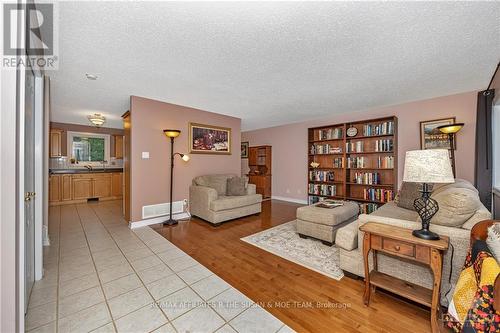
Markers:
point(322, 223)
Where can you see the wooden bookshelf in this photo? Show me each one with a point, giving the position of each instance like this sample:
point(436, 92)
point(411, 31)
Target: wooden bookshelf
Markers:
point(349, 167)
point(259, 162)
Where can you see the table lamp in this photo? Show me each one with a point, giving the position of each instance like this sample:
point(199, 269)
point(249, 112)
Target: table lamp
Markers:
point(427, 167)
point(451, 130)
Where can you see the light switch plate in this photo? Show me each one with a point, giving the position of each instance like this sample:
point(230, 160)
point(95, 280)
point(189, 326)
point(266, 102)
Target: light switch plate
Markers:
point(145, 155)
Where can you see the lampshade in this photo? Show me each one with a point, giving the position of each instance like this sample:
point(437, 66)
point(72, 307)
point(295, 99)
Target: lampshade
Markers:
point(185, 157)
point(451, 128)
point(97, 119)
point(428, 166)
point(171, 133)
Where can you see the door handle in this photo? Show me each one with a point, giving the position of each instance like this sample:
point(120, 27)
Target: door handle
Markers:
point(27, 196)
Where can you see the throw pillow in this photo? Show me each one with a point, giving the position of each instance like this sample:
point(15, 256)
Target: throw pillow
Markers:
point(493, 240)
point(407, 195)
point(456, 206)
point(236, 186)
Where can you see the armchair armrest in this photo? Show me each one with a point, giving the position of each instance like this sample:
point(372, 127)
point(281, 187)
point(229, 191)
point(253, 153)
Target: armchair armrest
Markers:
point(251, 189)
point(201, 196)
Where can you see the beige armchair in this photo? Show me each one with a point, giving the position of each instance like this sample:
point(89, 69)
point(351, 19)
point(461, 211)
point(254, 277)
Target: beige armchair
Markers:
point(208, 200)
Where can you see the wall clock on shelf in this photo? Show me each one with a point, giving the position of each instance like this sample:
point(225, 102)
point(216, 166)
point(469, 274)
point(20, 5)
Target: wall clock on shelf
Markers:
point(352, 131)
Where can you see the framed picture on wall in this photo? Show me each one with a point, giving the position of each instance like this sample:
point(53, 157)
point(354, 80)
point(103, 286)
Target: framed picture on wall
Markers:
point(244, 149)
point(208, 139)
point(431, 137)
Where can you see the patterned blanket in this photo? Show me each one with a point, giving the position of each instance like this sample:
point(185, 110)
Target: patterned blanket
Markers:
point(471, 309)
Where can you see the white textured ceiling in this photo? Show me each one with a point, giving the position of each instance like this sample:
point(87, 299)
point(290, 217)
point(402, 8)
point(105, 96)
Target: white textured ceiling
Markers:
point(269, 63)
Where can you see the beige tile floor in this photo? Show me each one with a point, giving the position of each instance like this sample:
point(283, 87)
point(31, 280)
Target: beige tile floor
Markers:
point(100, 276)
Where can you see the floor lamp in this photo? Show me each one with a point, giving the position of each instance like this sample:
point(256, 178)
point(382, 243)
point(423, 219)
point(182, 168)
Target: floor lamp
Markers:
point(172, 134)
point(451, 130)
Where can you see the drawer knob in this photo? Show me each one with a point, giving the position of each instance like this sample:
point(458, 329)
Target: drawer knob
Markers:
point(397, 248)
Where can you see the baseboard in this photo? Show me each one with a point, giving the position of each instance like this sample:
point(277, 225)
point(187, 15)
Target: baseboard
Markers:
point(156, 220)
point(299, 201)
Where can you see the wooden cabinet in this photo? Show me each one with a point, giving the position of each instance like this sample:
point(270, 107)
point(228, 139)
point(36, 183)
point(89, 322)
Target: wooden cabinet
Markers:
point(66, 188)
point(118, 146)
point(73, 188)
point(259, 162)
point(117, 184)
point(54, 188)
point(55, 144)
point(101, 186)
point(82, 187)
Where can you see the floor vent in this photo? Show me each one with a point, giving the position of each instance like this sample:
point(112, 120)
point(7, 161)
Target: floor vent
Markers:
point(162, 209)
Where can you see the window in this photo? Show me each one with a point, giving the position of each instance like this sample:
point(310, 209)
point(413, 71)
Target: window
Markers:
point(88, 148)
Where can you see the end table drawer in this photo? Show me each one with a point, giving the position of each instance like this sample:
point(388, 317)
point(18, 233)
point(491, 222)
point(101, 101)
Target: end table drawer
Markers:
point(398, 247)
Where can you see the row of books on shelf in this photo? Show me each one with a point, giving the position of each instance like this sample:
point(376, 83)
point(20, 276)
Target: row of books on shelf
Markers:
point(367, 208)
point(385, 162)
point(356, 162)
point(329, 134)
point(323, 189)
point(361, 162)
point(368, 178)
point(354, 146)
point(325, 149)
point(378, 194)
point(321, 176)
point(385, 128)
point(384, 145)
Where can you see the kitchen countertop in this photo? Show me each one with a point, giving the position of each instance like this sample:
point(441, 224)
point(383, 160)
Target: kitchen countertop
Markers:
point(83, 170)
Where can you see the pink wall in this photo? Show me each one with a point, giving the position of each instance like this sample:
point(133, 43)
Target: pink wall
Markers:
point(289, 142)
point(150, 178)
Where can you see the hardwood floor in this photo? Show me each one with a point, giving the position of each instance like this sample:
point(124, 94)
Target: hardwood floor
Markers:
point(287, 290)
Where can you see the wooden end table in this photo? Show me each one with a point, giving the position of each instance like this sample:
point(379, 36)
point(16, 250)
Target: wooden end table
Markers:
point(401, 243)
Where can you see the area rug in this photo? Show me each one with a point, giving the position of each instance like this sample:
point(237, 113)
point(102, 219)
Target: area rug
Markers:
point(284, 242)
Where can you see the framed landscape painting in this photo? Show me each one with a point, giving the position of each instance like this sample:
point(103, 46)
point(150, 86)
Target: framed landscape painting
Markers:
point(431, 137)
point(207, 139)
point(244, 149)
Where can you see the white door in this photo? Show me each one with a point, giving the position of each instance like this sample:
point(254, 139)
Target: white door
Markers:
point(29, 186)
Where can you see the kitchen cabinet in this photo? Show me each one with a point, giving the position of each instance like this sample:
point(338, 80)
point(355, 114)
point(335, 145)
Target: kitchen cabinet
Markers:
point(66, 188)
point(55, 142)
point(101, 186)
point(82, 187)
point(117, 185)
point(55, 188)
point(74, 188)
point(118, 146)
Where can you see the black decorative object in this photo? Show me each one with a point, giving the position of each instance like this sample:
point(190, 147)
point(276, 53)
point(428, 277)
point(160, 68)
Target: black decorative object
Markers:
point(172, 134)
point(426, 207)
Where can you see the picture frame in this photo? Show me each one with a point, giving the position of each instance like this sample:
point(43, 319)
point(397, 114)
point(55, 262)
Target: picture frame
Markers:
point(209, 139)
point(244, 149)
point(431, 137)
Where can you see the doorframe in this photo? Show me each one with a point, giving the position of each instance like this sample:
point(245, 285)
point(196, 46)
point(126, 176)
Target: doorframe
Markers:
point(40, 174)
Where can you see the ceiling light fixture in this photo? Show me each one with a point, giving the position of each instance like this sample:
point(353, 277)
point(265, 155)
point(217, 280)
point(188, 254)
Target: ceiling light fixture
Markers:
point(92, 77)
point(97, 119)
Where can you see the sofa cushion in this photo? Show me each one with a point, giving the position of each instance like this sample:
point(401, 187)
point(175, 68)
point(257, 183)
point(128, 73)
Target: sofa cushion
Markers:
point(456, 205)
point(217, 182)
point(391, 210)
point(226, 202)
point(236, 186)
point(407, 195)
